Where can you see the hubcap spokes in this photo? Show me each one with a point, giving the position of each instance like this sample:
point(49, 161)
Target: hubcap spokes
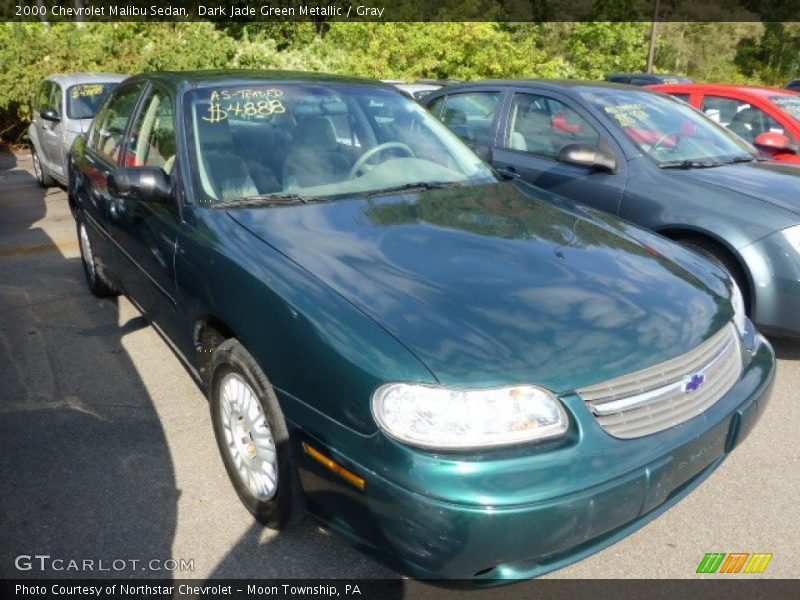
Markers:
point(248, 437)
point(37, 167)
point(86, 251)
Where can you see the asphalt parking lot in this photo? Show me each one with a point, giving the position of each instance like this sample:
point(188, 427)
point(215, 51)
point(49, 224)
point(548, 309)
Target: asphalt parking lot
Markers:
point(107, 452)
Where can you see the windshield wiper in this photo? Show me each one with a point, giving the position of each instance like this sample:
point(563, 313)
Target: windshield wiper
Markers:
point(266, 200)
point(419, 185)
point(690, 164)
point(740, 158)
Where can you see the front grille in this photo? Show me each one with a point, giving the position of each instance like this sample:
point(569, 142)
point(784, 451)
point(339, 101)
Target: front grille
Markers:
point(669, 393)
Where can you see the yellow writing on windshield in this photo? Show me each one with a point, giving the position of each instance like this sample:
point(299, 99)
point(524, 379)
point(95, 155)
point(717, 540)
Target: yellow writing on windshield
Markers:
point(87, 89)
point(244, 104)
point(627, 114)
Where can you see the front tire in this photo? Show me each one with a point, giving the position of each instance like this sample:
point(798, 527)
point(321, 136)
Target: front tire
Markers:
point(42, 177)
point(252, 437)
point(95, 279)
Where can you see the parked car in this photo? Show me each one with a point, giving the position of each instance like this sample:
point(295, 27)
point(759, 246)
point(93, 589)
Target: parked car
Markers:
point(64, 108)
point(646, 78)
point(793, 85)
point(653, 160)
point(465, 377)
point(768, 118)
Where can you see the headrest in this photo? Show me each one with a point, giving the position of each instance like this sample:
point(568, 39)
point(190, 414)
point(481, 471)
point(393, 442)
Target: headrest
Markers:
point(748, 116)
point(316, 133)
point(317, 108)
point(212, 134)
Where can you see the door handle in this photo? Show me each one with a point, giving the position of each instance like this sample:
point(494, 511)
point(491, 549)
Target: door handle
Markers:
point(507, 172)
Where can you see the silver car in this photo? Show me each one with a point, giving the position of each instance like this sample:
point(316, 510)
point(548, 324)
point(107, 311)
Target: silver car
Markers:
point(64, 109)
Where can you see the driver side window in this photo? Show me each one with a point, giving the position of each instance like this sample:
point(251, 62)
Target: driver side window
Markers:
point(153, 134)
point(110, 125)
point(470, 115)
point(543, 126)
point(745, 120)
point(55, 100)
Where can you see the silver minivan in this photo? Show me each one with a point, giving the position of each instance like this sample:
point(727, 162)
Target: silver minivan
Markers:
point(64, 108)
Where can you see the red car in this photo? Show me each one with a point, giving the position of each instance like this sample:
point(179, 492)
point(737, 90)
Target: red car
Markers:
point(768, 118)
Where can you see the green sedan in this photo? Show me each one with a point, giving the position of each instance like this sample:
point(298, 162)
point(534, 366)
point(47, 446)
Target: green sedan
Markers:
point(466, 377)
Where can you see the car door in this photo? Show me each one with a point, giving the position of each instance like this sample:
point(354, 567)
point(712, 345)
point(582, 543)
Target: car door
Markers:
point(535, 127)
point(42, 102)
point(102, 155)
point(51, 133)
point(146, 229)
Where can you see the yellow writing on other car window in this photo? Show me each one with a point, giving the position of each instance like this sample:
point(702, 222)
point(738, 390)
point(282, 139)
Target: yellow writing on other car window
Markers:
point(243, 103)
point(627, 114)
point(87, 89)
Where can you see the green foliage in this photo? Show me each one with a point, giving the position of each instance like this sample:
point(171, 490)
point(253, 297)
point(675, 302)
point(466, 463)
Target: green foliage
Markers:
point(773, 56)
point(596, 49)
point(438, 50)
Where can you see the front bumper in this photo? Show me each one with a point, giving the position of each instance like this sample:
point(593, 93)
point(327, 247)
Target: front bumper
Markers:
point(521, 513)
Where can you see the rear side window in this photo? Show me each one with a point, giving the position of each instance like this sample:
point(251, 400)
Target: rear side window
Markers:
point(469, 115)
point(543, 126)
point(109, 127)
point(684, 97)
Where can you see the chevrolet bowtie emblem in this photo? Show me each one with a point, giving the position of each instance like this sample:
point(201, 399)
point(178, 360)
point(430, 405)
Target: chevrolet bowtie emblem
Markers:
point(694, 382)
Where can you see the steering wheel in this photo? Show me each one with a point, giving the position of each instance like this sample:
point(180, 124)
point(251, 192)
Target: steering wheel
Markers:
point(663, 138)
point(364, 158)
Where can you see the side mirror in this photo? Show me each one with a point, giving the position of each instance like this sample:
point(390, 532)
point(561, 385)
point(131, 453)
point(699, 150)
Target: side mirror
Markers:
point(149, 184)
point(484, 153)
point(588, 156)
point(774, 143)
point(50, 114)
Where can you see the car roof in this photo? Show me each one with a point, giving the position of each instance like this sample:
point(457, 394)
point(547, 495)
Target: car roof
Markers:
point(552, 84)
point(66, 79)
point(208, 78)
point(653, 75)
point(418, 87)
point(754, 90)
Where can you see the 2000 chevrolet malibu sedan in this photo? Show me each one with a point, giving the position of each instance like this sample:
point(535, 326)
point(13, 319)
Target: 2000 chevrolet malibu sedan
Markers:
point(467, 377)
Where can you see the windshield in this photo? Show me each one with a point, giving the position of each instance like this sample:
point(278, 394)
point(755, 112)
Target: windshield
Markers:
point(84, 99)
point(319, 140)
point(788, 102)
point(668, 130)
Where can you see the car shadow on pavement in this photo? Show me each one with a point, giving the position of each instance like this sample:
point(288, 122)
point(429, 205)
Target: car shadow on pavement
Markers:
point(86, 471)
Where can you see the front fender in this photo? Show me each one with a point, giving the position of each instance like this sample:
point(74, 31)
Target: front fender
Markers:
point(33, 135)
point(318, 350)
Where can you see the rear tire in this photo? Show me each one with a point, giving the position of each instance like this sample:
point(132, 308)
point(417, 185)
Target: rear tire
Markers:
point(722, 258)
point(252, 437)
point(95, 279)
point(42, 177)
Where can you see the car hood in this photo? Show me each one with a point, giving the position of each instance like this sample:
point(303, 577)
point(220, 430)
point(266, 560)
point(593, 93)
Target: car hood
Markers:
point(487, 286)
point(776, 182)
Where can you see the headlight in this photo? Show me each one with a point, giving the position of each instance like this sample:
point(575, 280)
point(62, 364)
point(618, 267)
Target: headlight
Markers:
point(449, 418)
point(739, 312)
